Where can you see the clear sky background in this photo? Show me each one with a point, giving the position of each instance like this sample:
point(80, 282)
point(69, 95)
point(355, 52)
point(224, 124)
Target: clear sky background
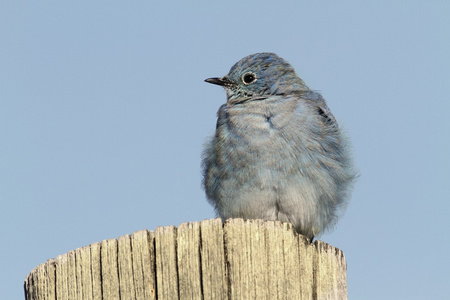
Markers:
point(104, 112)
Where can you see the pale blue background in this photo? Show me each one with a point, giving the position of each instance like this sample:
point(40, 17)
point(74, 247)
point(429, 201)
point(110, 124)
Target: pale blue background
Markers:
point(103, 113)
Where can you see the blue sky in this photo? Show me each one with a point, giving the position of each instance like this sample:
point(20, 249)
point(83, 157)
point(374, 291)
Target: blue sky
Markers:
point(103, 114)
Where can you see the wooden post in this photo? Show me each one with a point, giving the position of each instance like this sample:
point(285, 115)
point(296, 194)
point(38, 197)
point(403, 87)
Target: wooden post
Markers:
point(238, 259)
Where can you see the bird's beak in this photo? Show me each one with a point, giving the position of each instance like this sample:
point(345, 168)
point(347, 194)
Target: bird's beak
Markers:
point(219, 81)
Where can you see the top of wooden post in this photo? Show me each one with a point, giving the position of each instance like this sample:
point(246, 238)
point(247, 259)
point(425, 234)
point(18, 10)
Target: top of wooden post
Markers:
point(238, 259)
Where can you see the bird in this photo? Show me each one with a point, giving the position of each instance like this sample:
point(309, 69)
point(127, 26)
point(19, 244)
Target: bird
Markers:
point(277, 152)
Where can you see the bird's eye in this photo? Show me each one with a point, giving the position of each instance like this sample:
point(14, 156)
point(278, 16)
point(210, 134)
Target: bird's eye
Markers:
point(248, 78)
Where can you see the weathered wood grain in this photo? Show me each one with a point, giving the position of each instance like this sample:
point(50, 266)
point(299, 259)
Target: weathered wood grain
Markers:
point(166, 262)
point(238, 259)
point(110, 270)
point(144, 272)
point(330, 272)
point(213, 260)
point(188, 259)
point(96, 271)
point(126, 280)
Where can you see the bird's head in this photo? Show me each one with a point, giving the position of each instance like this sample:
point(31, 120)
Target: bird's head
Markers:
point(260, 75)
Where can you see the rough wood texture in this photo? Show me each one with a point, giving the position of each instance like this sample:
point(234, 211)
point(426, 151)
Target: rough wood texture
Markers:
point(237, 259)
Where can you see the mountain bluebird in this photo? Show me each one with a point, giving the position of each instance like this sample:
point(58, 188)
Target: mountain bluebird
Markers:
point(277, 153)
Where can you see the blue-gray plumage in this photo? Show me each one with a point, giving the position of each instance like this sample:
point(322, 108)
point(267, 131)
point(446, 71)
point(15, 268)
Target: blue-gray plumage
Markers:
point(277, 153)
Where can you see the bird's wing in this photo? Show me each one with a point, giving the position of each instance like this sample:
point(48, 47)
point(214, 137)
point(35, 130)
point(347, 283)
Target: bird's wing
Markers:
point(322, 108)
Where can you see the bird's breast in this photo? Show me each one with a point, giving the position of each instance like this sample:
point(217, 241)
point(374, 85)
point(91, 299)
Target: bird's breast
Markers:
point(259, 140)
